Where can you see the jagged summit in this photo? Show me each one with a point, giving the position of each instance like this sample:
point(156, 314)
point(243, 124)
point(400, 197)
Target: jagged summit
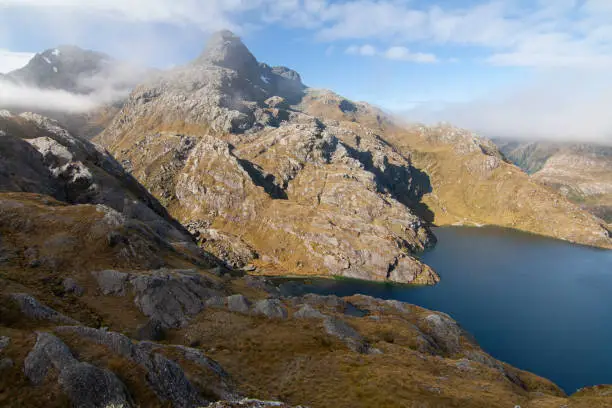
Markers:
point(227, 50)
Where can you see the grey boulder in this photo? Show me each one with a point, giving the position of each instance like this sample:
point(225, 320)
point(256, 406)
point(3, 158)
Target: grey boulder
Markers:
point(271, 308)
point(71, 286)
point(445, 332)
point(342, 330)
point(238, 303)
point(308, 312)
point(172, 296)
point(87, 386)
point(4, 342)
point(33, 309)
point(112, 282)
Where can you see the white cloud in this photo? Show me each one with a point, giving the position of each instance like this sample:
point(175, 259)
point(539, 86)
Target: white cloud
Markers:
point(208, 15)
point(536, 33)
point(397, 53)
point(111, 84)
point(21, 97)
point(570, 39)
point(365, 50)
point(10, 61)
point(404, 54)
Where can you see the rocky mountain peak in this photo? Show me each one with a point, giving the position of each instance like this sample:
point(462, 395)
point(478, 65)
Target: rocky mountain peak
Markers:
point(225, 49)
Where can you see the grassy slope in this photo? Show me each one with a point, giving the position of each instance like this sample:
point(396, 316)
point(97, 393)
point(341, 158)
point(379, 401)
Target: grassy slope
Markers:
point(505, 196)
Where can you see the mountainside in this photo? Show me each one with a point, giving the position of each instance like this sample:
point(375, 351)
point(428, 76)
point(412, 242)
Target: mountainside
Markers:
point(474, 185)
point(298, 181)
point(225, 146)
point(39, 158)
point(529, 156)
point(97, 309)
point(580, 172)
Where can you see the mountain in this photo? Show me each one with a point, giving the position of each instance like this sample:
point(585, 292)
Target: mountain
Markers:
point(272, 174)
point(529, 156)
point(65, 67)
point(472, 184)
point(225, 146)
point(580, 172)
point(40, 159)
point(96, 83)
point(75, 70)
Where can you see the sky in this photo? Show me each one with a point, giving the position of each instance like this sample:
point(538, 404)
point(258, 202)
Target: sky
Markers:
point(513, 68)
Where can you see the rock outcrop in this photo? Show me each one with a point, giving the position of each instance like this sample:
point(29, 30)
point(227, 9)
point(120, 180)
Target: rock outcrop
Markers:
point(249, 403)
point(164, 376)
point(86, 385)
point(33, 309)
point(169, 297)
point(347, 334)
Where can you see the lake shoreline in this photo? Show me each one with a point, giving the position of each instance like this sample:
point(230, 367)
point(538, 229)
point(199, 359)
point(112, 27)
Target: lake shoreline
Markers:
point(524, 297)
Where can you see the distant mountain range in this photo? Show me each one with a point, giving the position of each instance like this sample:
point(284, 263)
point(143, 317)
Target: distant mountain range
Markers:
point(581, 172)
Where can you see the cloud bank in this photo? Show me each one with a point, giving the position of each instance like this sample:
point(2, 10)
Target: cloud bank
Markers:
point(19, 97)
point(568, 106)
point(112, 84)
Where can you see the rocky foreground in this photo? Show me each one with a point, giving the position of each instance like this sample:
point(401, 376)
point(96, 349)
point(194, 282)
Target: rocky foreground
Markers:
point(105, 301)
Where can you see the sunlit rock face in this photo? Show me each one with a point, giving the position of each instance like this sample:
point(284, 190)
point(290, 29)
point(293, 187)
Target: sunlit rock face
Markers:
point(228, 143)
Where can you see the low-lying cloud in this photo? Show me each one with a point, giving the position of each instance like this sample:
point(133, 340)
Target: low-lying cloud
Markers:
point(113, 83)
point(26, 97)
point(560, 106)
point(22, 97)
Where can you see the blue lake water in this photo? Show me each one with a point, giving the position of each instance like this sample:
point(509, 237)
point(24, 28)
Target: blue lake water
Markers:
point(539, 304)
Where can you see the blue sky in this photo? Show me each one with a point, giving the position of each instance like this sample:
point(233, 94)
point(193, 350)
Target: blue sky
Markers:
point(459, 60)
